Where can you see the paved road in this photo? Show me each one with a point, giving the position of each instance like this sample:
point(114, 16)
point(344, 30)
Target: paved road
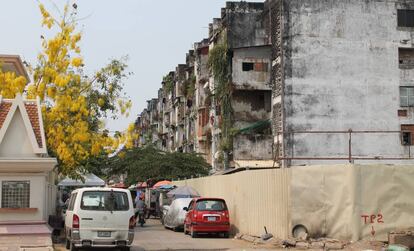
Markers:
point(153, 236)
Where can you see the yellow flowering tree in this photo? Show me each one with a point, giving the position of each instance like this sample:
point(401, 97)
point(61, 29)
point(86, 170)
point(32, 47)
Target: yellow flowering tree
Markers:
point(74, 105)
point(10, 84)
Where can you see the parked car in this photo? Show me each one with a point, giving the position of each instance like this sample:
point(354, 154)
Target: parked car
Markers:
point(100, 217)
point(207, 215)
point(164, 212)
point(175, 215)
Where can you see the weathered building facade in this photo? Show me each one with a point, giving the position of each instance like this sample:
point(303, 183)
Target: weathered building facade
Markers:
point(342, 80)
point(242, 28)
point(285, 83)
point(190, 106)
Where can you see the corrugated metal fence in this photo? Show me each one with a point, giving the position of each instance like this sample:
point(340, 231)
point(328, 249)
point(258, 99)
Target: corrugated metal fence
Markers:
point(337, 201)
point(256, 198)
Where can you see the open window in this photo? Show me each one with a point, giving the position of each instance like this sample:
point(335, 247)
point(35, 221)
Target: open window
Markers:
point(405, 18)
point(406, 58)
point(248, 66)
point(257, 66)
point(407, 135)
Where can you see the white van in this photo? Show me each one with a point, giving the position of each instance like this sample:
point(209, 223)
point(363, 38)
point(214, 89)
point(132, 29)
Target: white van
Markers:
point(100, 217)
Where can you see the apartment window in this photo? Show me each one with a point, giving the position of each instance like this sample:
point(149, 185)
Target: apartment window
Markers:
point(248, 66)
point(406, 96)
point(255, 66)
point(261, 67)
point(15, 194)
point(406, 58)
point(407, 135)
point(405, 18)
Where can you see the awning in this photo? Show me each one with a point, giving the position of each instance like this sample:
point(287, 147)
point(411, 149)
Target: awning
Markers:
point(255, 127)
point(90, 180)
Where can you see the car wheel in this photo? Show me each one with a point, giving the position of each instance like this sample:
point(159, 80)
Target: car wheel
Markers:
point(72, 247)
point(126, 248)
point(226, 235)
point(185, 230)
point(67, 244)
point(193, 234)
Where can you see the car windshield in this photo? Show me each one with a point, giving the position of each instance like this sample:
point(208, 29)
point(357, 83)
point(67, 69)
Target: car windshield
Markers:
point(211, 205)
point(104, 201)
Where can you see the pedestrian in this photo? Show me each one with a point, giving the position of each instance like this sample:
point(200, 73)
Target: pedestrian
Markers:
point(139, 192)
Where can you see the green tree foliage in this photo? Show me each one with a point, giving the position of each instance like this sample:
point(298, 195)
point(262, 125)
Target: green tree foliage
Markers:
point(148, 162)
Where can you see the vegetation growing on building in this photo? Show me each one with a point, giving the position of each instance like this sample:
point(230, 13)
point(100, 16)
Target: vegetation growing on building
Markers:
point(169, 83)
point(219, 64)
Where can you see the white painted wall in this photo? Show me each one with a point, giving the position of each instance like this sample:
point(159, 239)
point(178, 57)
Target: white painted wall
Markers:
point(343, 74)
point(37, 197)
point(16, 142)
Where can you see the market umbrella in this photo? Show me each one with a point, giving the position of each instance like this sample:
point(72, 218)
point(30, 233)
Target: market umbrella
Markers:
point(183, 192)
point(168, 186)
point(161, 183)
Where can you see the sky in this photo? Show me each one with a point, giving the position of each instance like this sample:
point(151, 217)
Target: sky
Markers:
point(154, 34)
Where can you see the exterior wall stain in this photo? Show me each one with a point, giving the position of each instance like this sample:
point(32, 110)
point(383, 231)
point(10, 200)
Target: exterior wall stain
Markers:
point(339, 71)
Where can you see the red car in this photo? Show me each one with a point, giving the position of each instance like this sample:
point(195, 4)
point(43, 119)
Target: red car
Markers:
point(207, 215)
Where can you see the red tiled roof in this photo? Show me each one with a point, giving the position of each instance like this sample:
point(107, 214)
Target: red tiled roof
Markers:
point(4, 110)
point(33, 113)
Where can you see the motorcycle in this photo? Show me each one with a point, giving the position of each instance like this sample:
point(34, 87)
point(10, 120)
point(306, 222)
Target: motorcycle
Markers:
point(141, 219)
point(140, 215)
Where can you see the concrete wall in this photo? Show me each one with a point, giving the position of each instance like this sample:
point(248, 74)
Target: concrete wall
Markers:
point(250, 107)
point(252, 147)
point(37, 198)
point(341, 72)
point(256, 80)
point(244, 22)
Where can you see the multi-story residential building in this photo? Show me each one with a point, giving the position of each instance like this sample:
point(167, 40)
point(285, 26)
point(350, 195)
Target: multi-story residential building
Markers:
point(202, 101)
point(333, 80)
point(343, 81)
point(190, 108)
point(190, 113)
point(242, 31)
